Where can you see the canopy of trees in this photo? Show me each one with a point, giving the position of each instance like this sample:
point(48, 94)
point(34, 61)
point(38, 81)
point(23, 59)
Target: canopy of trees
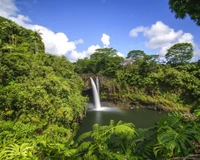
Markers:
point(144, 80)
point(182, 8)
point(103, 61)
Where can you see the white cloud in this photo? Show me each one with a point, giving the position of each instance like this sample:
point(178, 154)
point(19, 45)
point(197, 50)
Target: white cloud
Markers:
point(21, 20)
point(162, 37)
point(75, 55)
point(120, 54)
point(186, 37)
point(105, 39)
point(80, 41)
point(55, 43)
point(134, 32)
point(8, 8)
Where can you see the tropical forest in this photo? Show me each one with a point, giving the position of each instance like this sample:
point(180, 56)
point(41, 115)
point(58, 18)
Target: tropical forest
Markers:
point(44, 99)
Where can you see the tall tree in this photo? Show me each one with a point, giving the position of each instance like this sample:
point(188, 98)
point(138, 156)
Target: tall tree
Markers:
point(103, 53)
point(179, 53)
point(105, 59)
point(181, 8)
point(136, 54)
point(36, 36)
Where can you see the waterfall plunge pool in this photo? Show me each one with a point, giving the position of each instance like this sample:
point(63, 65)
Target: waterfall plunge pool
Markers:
point(141, 118)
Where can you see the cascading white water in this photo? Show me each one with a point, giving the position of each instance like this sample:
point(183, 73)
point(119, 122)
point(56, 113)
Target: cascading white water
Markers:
point(96, 95)
point(97, 84)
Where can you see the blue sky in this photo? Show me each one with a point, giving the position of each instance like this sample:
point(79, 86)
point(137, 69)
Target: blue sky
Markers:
point(75, 28)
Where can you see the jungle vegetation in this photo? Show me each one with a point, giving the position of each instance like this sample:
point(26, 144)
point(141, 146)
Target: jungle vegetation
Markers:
point(41, 102)
point(145, 80)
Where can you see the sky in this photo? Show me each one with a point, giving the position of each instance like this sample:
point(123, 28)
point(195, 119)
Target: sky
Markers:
point(76, 28)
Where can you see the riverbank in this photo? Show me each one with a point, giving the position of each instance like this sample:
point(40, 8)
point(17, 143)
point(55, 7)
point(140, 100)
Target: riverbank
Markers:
point(132, 101)
point(150, 107)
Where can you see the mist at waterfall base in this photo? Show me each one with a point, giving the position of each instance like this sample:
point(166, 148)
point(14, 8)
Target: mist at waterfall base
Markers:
point(141, 118)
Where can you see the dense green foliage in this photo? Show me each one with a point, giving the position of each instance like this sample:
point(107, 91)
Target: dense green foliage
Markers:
point(14, 38)
point(40, 95)
point(143, 80)
point(173, 136)
point(182, 8)
point(104, 61)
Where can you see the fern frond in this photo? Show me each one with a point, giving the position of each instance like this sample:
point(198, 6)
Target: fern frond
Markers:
point(14, 151)
point(84, 146)
point(69, 153)
point(112, 123)
point(83, 136)
point(119, 123)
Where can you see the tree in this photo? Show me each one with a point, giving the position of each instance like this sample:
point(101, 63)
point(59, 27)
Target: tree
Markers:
point(179, 53)
point(152, 57)
point(36, 37)
point(181, 8)
point(11, 29)
point(82, 65)
point(105, 61)
point(103, 53)
point(136, 54)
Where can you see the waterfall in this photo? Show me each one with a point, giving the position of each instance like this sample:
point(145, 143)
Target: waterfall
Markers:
point(97, 84)
point(96, 95)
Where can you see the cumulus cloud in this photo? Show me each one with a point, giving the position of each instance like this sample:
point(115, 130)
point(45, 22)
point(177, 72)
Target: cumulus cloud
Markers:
point(75, 55)
point(134, 32)
point(79, 41)
point(105, 39)
point(162, 37)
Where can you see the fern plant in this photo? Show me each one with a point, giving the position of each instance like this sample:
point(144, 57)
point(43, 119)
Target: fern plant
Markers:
point(47, 148)
point(17, 152)
point(108, 142)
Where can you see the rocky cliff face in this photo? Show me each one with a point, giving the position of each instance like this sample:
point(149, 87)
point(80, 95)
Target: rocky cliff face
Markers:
point(110, 91)
point(86, 78)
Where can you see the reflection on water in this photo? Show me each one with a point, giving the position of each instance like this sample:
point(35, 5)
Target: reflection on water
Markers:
point(142, 118)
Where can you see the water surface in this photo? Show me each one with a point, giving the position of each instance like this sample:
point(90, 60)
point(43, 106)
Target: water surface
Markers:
point(141, 118)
